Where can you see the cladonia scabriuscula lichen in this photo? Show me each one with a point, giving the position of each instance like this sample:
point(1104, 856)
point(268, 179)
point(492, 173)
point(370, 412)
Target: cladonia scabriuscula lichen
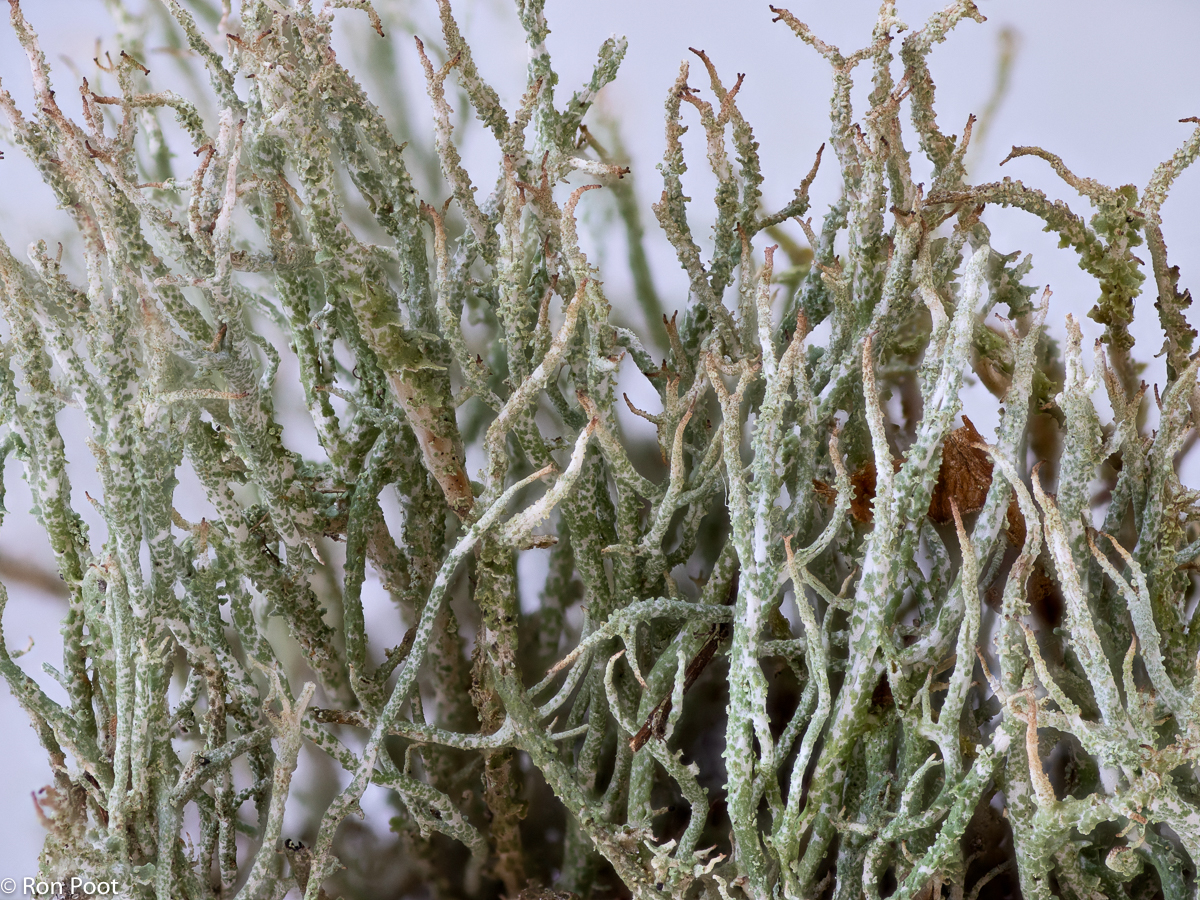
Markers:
point(798, 649)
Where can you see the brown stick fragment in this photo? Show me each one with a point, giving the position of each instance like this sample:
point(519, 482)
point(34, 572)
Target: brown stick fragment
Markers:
point(656, 723)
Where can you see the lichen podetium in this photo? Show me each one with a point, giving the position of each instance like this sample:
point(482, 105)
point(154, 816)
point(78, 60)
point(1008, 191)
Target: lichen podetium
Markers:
point(799, 649)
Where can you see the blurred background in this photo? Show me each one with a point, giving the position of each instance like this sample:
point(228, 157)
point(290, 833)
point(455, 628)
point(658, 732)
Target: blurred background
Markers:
point(1101, 83)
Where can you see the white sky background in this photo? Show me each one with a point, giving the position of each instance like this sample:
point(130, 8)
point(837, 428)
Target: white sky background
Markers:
point(1101, 83)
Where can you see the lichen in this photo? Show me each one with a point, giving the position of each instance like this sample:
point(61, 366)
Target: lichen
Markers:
point(791, 648)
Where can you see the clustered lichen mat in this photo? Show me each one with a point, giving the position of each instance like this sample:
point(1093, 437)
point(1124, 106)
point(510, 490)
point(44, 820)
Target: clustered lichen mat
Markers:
point(819, 639)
